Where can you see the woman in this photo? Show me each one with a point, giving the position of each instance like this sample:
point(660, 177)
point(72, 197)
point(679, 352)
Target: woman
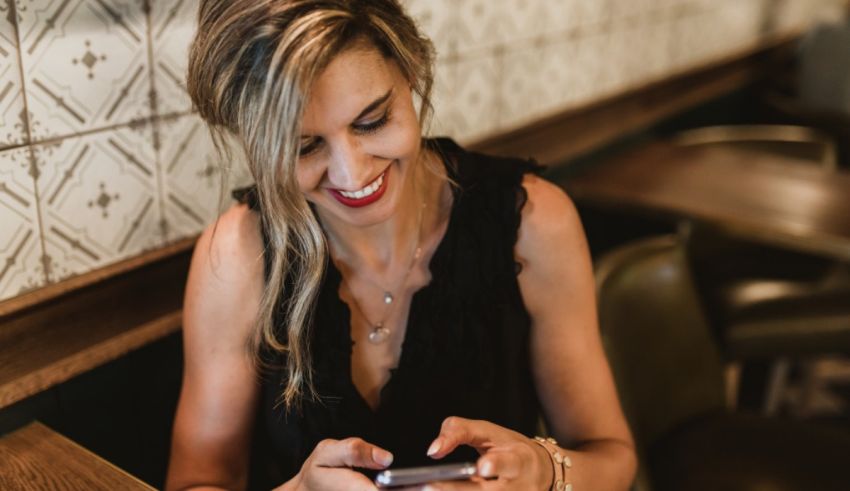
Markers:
point(378, 298)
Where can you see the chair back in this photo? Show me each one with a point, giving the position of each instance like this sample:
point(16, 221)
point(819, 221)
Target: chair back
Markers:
point(804, 143)
point(665, 362)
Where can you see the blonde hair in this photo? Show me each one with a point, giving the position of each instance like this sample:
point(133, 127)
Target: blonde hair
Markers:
point(251, 66)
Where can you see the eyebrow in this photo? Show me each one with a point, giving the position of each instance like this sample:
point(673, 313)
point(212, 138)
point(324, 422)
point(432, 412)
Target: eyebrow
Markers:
point(377, 102)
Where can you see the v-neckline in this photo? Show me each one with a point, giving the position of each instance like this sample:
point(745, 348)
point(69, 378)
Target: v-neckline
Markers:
point(413, 312)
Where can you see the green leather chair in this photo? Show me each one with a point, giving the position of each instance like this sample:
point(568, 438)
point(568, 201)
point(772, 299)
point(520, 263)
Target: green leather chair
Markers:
point(669, 375)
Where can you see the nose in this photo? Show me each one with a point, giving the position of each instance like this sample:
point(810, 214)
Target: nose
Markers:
point(349, 169)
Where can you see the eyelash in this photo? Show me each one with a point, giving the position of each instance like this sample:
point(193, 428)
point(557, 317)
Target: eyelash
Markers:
point(367, 129)
point(374, 126)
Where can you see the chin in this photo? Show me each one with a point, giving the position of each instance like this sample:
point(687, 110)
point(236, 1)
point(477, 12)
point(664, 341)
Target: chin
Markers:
point(372, 214)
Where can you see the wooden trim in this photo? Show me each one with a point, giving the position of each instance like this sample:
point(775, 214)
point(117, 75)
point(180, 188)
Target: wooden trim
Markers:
point(85, 328)
point(52, 291)
point(555, 140)
point(65, 368)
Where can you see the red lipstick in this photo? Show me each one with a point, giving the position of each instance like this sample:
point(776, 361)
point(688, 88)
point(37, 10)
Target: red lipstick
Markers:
point(368, 200)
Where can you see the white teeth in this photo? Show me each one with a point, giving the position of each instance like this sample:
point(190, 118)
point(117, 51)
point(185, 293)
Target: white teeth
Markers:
point(367, 191)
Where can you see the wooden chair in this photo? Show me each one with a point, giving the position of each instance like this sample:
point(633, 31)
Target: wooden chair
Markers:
point(806, 143)
point(769, 304)
point(669, 375)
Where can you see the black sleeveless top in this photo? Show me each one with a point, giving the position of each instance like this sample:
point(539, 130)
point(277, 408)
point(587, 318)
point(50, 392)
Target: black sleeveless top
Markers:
point(465, 352)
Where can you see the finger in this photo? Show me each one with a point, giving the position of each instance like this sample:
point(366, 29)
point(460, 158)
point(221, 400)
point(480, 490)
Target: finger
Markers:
point(502, 463)
point(338, 478)
point(351, 452)
point(460, 486)
point(457, 431)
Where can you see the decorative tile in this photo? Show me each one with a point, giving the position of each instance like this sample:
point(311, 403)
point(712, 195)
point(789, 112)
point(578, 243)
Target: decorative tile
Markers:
point(443, 98)
point(534, 20)
point(630, 11)
point(558, 71)
point(563, 16)
point(12, 115)
point(85, 64)
point(521, 88)
point(197, 182)
point(99, 200)
point(482, 25)
point(20, 245)
point(618, 70)
point(788, 15)
point(593, 15)
point(687, 38)
point(475, 110)
point(173, 26)
point(589, 68)
point(656, 57)
point(438, 20)
point(741, 24)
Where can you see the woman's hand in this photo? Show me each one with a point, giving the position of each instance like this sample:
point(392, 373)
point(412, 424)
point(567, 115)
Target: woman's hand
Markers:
point(509, 460)
point(328, 468)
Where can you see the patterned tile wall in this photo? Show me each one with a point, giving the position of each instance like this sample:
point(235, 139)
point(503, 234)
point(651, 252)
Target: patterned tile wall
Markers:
point(102, 159)
point(508, 62)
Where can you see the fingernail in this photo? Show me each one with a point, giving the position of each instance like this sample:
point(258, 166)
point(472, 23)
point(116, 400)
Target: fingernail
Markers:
point(382, 457)
point(486, 469)
point(434, 448)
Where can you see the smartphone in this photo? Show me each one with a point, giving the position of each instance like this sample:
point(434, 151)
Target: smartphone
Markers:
point(414, 476)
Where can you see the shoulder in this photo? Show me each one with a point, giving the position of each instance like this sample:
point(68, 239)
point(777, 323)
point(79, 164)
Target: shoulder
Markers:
point(226, 275)
point(235, 235)
point(550, 224)
point(552, 249)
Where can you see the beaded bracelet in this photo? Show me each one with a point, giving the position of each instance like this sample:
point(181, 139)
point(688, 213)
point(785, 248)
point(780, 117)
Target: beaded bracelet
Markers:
point(560, 463)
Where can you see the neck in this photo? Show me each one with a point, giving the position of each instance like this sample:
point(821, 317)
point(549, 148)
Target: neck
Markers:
point(387, 247)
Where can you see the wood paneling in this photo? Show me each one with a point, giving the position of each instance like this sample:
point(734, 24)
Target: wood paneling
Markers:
point(67, 336)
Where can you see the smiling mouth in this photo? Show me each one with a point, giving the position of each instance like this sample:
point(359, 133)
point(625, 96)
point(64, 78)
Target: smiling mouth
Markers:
point(367, 191)
point(362, 197)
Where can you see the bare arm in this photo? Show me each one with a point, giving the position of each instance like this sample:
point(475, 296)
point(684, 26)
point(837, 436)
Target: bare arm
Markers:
point(214, 420)
point(570, 369)
point(213, 427)
point(569, 366)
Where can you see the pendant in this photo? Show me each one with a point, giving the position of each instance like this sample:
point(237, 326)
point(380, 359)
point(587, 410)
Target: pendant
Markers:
point(388, 298)
point(379, 334)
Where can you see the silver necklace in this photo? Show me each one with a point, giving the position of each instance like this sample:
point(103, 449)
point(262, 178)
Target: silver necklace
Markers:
point(378, 331)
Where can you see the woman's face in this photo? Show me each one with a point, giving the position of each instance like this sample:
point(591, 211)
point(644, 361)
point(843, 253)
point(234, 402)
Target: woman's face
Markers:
point(360, 139)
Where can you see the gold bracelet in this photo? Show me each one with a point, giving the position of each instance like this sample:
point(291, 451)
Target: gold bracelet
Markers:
point(560, 462)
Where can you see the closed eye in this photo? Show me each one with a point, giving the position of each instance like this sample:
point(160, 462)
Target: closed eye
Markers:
point(309, 147)
point(373, 126)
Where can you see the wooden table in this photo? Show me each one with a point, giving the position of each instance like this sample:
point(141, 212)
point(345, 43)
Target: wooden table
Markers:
point(775, 199)
point(36, 457)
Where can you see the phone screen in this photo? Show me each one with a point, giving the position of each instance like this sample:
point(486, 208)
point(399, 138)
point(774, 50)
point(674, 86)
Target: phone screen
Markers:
point(422, 475)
